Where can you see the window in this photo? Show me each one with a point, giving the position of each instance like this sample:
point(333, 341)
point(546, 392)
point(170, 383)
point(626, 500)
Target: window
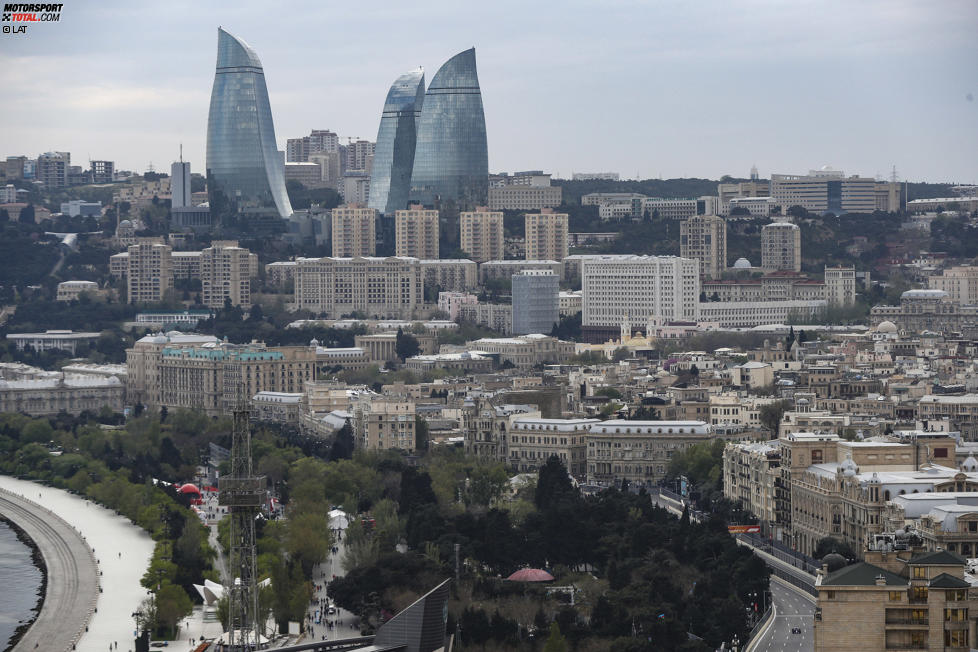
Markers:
point(956, 638)
point(896, 596)
point(955, 615)
point(919, 573)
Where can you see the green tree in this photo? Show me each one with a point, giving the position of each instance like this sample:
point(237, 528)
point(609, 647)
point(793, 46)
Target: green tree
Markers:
point(172, 605)
point(420, 434)
point(771, 415)
point(406, 345)
point(556, 641)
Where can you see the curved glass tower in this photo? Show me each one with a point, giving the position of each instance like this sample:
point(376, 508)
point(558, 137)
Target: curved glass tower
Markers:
point(390, 179)
point(245, 172)
point(451, 160)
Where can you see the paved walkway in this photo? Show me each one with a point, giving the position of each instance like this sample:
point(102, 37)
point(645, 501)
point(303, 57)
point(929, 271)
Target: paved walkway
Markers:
point(123, 552)
point(72, 579)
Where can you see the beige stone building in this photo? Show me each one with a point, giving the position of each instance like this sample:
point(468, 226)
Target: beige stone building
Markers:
point(524, 198)
point(383, 423)
point(704, 237)
point(533, 440)
point(546, 235)
point(896, 600)
point(143, 363)
point(416, 232)
point(149, 272)
point(69, 393)
point(960, 283)
point(225, 271)
point(504, 269)
point(751, 474)
point(638, 451)
point(72, 290)
point(481, 234)
point(781, 247)
point(212, 378)
point(450, 274)
point(840, 286)
point(380, 287)
point(525, 351)
point(487, 422)
point(354, 231)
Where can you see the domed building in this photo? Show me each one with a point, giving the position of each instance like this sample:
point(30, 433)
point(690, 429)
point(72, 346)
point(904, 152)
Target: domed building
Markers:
point(742, 263)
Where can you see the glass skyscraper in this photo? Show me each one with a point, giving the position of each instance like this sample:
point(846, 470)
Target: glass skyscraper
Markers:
point(245, 171)
point(451, 160)
point(390, 180)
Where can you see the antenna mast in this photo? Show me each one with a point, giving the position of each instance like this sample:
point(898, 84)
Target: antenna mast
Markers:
point(242, 493)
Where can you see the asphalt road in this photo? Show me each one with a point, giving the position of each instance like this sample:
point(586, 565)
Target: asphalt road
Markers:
point(72, 581)
point(792, 608)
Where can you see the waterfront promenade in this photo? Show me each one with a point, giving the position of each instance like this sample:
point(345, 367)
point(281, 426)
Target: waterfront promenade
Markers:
point(123, 552)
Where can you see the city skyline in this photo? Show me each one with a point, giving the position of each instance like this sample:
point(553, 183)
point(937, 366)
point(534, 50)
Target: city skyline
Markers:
point(746, 83)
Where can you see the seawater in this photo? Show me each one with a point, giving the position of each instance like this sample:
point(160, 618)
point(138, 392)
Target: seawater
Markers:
point(21, 582)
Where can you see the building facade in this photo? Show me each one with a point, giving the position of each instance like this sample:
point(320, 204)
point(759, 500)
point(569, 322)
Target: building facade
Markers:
point(245, 172)
point(638, 290)
point(546, 235)
point(149, 272)
point(840, 286)
point(225, 272)
point(380, 287)
point(451, 159)
point(825, 190)
point(781, 247)
point(390, 179)
point(536, 307)
point(450, 274)
point(354, 231)
point(481, 234)
point(416, 232)
point(524, 198)
point(704, 238)
point(534, 440)
point(638, 451)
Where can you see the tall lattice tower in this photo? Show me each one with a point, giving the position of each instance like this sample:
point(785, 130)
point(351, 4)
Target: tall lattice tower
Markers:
point(242, 493)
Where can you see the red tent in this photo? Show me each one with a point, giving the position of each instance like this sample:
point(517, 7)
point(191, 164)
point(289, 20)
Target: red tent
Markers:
point(530, 575)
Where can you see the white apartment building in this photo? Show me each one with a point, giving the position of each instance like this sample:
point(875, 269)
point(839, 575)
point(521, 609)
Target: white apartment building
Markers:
point(354, 231)
point(747, 314)
point(704, 238)
point(756, 206)
point(840, 285)
point(639, 290)
point(524, 198)
point(71, 290)
point(824, 190)
point(225, 271)
point(546, 235)
point(450, 274)
point(380, 287)
point(481, 234)
point(781, 247)
point(416, 232)
point(679, 209)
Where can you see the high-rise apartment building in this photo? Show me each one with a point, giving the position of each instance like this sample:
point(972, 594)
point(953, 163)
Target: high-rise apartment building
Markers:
point(52, 169)
point(150, 271)
point(388, 288)
point(824, 190)
point(638, 290)
point(102, 171)
point(535, 302)
point(840, 285)
point(180, 184)
point(781, 247)
point(546, 235)
point(360, 155)
point(245, 170)
point(481, 234)
point(451, 159)
point(704, 237)
point(299, 150)
point(225, 272)
point(416, 232)
point(354, 231)
point(390, 180)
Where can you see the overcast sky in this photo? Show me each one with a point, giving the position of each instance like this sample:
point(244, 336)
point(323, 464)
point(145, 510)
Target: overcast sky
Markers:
point(664, 88)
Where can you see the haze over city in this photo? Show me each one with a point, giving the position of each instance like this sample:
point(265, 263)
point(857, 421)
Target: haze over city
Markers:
point(648, 89)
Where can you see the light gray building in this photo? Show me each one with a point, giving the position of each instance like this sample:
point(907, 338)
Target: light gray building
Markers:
point(536, 307)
